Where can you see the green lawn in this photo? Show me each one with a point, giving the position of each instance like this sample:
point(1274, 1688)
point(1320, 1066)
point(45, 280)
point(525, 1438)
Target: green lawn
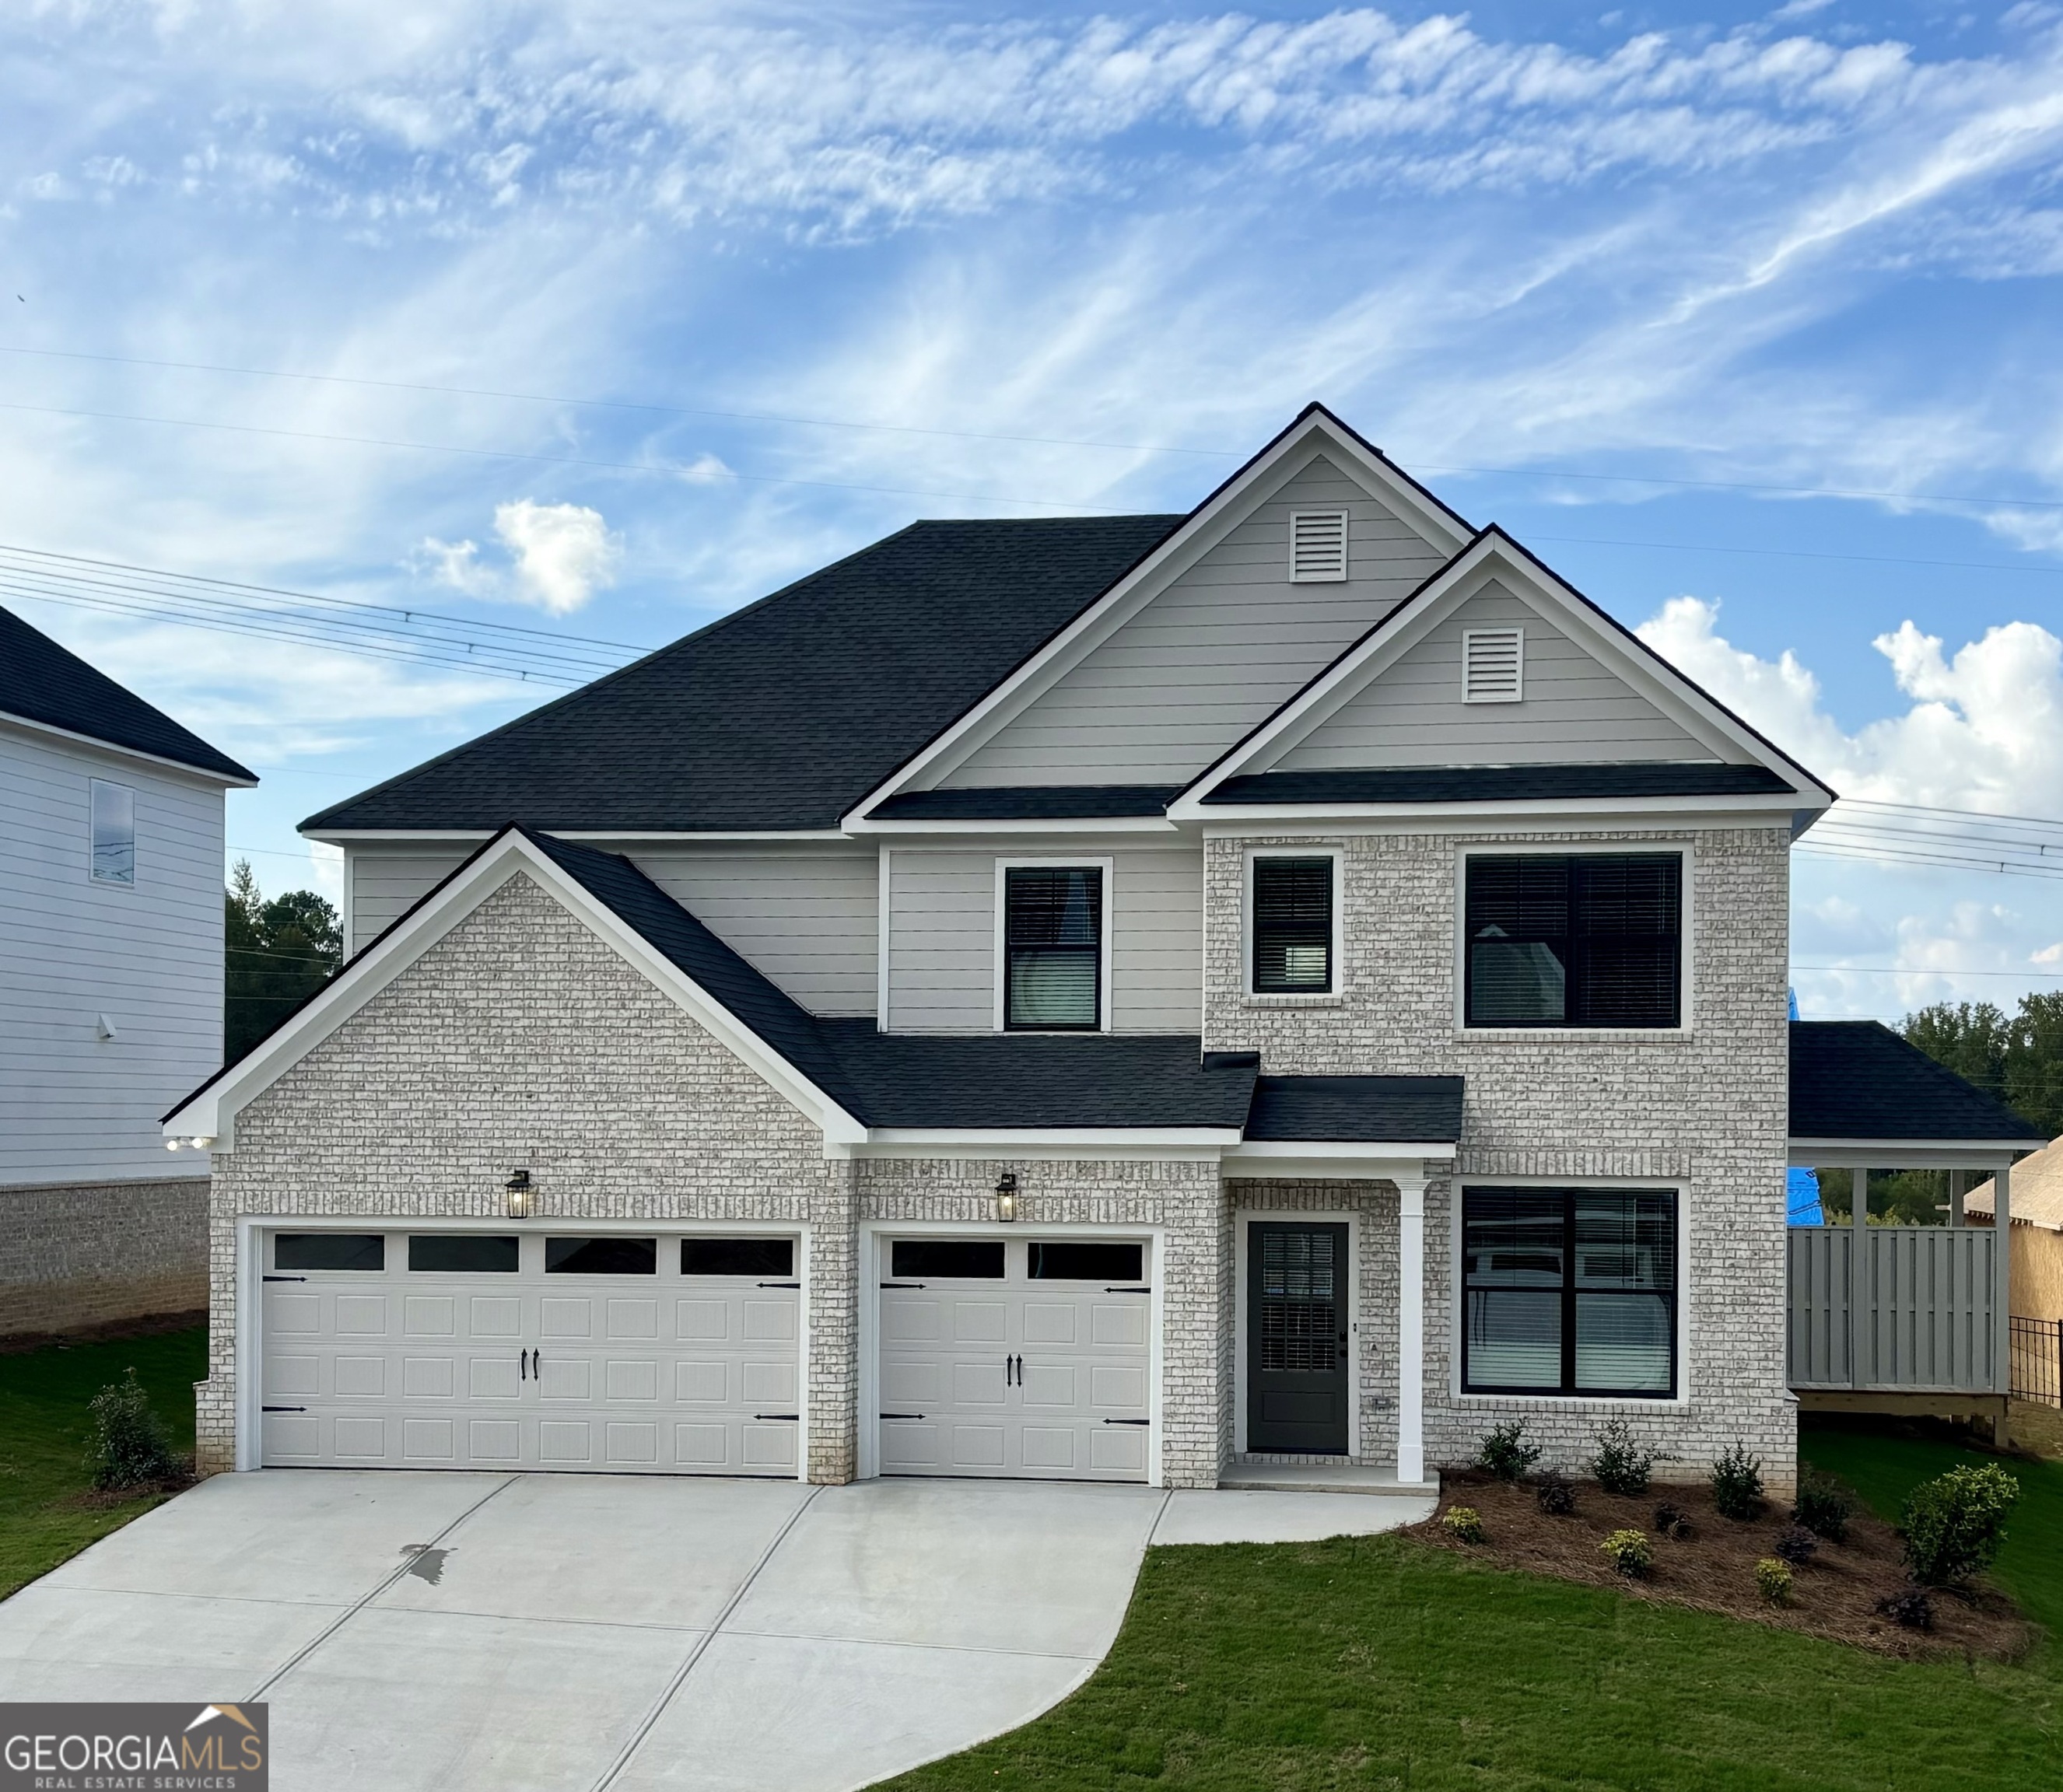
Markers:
point(1382, 1662)
point(43, 1396)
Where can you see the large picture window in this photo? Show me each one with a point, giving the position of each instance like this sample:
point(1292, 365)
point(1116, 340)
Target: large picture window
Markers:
point(1293, 926)
point(1589, 940)
point(1052, 931)
point(1569, 1290)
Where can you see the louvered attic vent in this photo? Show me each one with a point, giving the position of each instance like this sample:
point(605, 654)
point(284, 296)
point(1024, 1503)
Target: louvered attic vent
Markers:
point(1317, 546)
point(1492, 666)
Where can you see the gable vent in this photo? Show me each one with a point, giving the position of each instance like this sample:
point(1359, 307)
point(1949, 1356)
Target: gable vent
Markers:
point(1492, 666)
point(1317, 546)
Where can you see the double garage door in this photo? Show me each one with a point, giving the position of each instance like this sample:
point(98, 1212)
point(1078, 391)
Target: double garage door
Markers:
point(653, 1354)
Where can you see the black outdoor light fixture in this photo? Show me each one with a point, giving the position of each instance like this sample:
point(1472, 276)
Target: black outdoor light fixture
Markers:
point(521, 1196)
point(1006, 1195)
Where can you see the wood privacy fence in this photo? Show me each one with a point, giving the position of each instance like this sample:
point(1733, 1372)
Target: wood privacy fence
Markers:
point(1912, 1309)
point(2037, 1359)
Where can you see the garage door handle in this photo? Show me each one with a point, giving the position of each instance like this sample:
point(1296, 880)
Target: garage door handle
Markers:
point(1128, 1291)
point(794, 1416)
point(902, 1415)
point(287, 1279)
point(902, 1284)
point(1128, 1421)
point(780, 1284)
point(283, 1409)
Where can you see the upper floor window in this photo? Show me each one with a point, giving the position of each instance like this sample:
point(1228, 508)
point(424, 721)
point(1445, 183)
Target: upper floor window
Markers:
point(1588, 940)
point(1292, 924)
point(1052, 939)
point(114, 829)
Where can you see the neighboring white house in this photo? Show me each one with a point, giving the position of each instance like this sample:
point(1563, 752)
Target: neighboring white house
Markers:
point(110, 990)
point(1182, 998)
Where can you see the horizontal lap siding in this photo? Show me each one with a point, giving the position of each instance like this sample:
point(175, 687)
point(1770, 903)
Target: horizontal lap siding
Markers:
point(1573, 708)
point(74, 1106)
point(1213, 655)
point(386, 884)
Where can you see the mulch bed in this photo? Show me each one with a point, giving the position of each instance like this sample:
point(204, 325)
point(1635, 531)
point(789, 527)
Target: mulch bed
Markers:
point(153, 1325)
point(1834, 1594)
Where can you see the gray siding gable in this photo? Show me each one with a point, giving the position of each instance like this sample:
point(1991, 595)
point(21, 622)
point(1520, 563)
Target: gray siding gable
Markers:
point(1574, 708)
point(1209, 658)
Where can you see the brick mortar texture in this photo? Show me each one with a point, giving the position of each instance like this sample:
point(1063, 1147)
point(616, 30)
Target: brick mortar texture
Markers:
point(75, 1255)
point(1704, 1112)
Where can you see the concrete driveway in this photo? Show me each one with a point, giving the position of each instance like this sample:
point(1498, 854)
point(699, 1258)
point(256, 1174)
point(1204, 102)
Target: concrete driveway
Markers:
point(577, 1632)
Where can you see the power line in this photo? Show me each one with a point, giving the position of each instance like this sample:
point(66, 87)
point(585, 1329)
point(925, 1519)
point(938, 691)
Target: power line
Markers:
point(1798, 553)
point(1921, 971)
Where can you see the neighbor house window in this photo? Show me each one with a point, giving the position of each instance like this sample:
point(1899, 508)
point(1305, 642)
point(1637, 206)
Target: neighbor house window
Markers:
point(1590, 940)
point(1293, 926)
point(114, 807)
point(1569, 1290)
point(1052, 928)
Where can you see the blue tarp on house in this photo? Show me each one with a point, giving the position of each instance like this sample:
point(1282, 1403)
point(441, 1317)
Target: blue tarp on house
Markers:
point(1803, 1188)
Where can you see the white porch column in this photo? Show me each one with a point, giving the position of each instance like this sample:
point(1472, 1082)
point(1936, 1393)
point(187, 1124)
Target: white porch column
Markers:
point(1411, 1329)
point(2002, 1286)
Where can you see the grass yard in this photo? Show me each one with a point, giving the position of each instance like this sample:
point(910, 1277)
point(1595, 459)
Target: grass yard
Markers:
point(1382, 1662)
point(43, 1396)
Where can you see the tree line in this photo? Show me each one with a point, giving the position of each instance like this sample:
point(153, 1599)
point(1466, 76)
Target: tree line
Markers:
point(277, 953)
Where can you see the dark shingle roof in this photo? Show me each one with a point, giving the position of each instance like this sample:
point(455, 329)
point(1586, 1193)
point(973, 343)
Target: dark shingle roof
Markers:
point(787, 712)
point(1408, 1108)
point(1041, 803)
point(41, 682)
point(1502, 783)
point(1858, 1079)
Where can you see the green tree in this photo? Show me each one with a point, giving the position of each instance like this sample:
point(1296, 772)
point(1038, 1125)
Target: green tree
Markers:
point(278, 954)
point(2017, 1058)
point(1973, 1039)
point(2034, 1062)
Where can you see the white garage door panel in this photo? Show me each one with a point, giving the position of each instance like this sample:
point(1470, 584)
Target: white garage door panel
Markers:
point(669, 1374)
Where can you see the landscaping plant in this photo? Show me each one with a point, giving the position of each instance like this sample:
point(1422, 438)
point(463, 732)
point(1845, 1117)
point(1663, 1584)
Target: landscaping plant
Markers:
point(1556, 1494)
point(128, 1447)
point(1505, 1452)
point(1737, 1484)
point(1910, 1611)
point(1774, 1579)
point(1796, 1545)
point(1823, 1506)
point(1631, 1552)
point(1464, 1522)
point(1620, 1465)
point(1953, 1525)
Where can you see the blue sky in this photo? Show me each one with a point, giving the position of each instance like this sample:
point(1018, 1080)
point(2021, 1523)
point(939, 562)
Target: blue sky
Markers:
point(885, 262)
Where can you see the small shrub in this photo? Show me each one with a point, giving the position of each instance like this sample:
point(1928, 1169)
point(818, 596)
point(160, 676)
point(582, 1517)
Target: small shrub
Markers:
point(1912, 1610)
point(128, 1447)
point(1954, 1523)
point(1556, 1494)
point(1773, 1577)
point(1620, 1465)
point(1796, 1545)
point(1671, 1522)
point(1630, 1551)
point(1737, 1484)
point(1506, 1453)
point(1824, 1508)
point(1464, 1522)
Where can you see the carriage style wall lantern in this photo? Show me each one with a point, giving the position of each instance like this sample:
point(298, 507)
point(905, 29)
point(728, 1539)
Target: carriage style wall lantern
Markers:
point(522, 1197)
point(1006, 1195)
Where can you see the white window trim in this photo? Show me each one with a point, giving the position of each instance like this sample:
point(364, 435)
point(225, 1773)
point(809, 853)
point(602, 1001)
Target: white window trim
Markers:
point(1517, 694)
point(92, 876)
point(1458, 1313)
point(1344, 517)
point(1073, 862)
point(1332, 998)
point(1686, 1010)
point(1352, 1218)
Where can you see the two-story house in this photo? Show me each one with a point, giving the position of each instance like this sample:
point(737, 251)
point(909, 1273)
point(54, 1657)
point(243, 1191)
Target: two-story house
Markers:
point(1174, 998)
point(110, 990)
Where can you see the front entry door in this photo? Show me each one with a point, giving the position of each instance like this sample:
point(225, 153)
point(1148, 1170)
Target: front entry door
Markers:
point(1296, 1344)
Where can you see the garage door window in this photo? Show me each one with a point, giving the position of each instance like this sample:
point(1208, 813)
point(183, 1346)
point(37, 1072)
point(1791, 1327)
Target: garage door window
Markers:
point(1073, 1259)
point(950, 1259)
point(601, 1256)
point(329, 1250)
point(738, 1256)
point(463, 1253)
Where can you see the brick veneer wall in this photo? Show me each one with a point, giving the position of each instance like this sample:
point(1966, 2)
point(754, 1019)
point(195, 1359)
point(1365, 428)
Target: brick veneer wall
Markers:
point(77, 1255)
point(1704, 1112)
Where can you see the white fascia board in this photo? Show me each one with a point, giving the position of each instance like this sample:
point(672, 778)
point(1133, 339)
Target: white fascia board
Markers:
point(412, 837)
point(211, 1113)
point(430, 836)
point(1224, 511)
point(1489, 557)
point(201, 774)
point(1242, 821)
point(1045, 1142)
point(1909, 1154)
point(1319, 1160)
point(1053, 825)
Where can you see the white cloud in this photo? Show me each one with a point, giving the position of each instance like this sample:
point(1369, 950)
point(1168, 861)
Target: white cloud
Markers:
point(559, 554)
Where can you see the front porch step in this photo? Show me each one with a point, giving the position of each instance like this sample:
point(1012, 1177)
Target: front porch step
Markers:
point(1330, 1477)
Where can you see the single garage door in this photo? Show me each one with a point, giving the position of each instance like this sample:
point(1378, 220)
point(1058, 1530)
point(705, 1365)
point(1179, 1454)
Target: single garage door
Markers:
point(659, 1354)
point(1014, 1356)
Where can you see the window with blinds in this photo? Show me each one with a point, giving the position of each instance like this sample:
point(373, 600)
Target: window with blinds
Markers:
point(1590, 940)
point(1317, 546)
point(1052, 927)
point(1293, 926)
point(1569, 1290)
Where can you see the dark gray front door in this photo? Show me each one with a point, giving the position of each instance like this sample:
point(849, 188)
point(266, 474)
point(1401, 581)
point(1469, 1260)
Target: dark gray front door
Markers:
point(1297, 1379)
